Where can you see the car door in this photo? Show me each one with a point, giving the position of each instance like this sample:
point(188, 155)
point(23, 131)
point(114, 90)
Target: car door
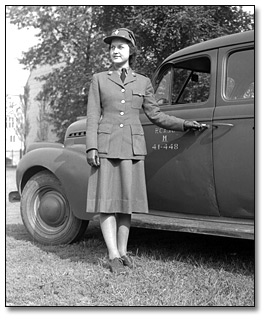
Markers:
point(179, 165)
point(233, 135)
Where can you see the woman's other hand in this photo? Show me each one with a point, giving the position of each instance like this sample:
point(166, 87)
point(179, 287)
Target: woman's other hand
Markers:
point(93, 158)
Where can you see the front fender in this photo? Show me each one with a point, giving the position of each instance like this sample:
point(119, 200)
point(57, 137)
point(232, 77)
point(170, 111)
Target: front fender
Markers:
point(42, 145)
point(69, 165)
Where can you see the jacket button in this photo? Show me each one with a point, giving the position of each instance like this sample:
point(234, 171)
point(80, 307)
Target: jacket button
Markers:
point(122, 113)
point(123, 101)
point(121, 125)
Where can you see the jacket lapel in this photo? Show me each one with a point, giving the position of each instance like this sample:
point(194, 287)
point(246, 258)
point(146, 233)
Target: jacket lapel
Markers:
point(114, 77)
point(131, 77)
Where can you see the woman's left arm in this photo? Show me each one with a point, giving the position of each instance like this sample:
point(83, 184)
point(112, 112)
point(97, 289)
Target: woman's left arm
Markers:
point(161, 119)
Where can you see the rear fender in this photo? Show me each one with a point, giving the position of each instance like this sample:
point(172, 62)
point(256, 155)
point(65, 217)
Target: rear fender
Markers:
point(69, 165)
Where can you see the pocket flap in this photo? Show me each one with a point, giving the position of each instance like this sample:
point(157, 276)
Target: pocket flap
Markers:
point(138, 92)
point(136, 129)
point(105, 128)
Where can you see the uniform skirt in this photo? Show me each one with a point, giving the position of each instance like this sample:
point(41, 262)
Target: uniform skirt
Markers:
point(117, 186)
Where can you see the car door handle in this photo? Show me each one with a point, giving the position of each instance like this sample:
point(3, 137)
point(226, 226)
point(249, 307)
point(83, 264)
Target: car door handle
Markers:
point(207, 126)
point(222, 124)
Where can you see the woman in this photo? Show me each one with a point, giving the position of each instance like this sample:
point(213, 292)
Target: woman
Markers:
point(115, 144)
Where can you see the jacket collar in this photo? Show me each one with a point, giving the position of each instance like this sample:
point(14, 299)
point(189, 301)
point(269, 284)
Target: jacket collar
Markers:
point(114, 76)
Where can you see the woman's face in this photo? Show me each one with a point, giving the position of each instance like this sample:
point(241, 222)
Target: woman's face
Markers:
point(119, 52)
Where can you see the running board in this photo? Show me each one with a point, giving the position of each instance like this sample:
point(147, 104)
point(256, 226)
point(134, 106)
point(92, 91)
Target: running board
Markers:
point(217, 227)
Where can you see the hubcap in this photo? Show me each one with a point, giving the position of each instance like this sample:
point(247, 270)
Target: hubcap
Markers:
point(52, 209)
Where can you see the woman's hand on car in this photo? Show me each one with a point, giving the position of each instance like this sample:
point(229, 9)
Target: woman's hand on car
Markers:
point(93, 158)
point(192, 125)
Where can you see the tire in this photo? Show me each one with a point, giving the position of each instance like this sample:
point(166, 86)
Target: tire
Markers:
point(46, 212)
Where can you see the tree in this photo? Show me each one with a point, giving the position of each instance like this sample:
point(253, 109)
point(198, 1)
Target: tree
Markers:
point(42, 119)
point(71, 40)
point(71, 36)
point(162, 30)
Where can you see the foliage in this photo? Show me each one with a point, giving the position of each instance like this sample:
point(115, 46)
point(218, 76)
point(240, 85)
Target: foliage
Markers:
point(72, 37)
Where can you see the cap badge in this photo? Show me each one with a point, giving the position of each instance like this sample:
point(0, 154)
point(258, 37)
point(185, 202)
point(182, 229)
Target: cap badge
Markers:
point(116, 32)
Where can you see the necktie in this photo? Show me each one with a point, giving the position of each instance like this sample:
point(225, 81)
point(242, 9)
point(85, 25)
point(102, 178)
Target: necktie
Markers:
point(123, 74)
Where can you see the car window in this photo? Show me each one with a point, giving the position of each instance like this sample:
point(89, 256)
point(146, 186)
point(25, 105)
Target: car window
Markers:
point(239, 82)
point(185, 82)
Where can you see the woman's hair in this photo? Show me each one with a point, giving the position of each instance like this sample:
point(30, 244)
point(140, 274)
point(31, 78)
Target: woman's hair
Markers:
point(132, 56)
point(133, 50)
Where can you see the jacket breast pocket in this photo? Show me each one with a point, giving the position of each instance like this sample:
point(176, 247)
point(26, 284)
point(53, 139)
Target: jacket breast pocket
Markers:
point(104, 134)
point(137, 98)
point(138, 140)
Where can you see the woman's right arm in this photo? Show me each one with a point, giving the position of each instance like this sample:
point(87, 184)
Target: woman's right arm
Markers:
point(93, 117)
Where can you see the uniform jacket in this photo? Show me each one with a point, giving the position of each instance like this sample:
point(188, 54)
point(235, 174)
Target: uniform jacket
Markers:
point(113, 124)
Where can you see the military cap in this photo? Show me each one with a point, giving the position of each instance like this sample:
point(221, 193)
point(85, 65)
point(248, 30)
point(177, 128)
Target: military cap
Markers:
point(121, 33)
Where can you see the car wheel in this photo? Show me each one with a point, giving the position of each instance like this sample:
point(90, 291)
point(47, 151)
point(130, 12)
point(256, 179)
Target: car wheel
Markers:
point(46, 212)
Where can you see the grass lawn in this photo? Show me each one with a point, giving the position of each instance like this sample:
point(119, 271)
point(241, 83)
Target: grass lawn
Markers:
point(176, 269)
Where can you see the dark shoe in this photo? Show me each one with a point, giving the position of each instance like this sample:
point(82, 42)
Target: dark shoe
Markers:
point(127, 261)
point(116, 266)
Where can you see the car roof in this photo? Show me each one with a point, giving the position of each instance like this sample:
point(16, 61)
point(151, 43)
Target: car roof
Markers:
point(242, 37)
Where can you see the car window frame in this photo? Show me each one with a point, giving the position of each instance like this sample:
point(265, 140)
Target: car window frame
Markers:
point(224, 54)
point(163, 70)
point(212, 54)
